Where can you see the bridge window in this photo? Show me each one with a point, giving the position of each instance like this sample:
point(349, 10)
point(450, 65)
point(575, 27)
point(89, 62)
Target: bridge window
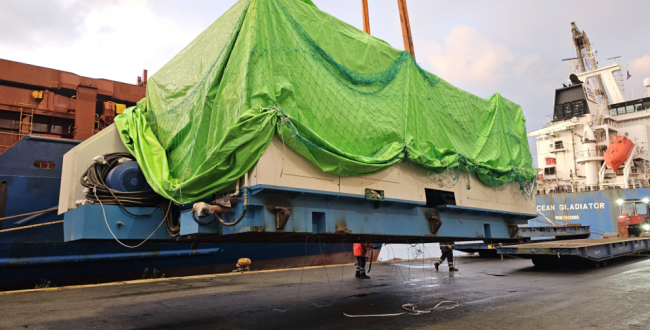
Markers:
point(549, 171)
point(629, 109)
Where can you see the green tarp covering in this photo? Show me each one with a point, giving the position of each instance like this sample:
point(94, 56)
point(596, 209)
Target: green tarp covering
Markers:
point(347, 101)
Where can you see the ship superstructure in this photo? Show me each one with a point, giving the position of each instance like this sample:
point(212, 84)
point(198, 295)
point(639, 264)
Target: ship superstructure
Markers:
point(587, 117)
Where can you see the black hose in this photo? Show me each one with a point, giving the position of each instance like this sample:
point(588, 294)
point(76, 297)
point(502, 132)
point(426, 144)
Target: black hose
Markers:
point(94, 179)
point(217, 217)
point(171, 214)
point(370, 263)
point(98, 192)
point(3, 199)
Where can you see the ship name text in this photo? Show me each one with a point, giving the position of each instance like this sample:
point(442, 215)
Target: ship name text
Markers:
point(579, 206)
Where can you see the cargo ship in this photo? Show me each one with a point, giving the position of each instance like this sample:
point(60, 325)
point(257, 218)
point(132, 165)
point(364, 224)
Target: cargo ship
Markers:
point(593, 153)
point(43, 114)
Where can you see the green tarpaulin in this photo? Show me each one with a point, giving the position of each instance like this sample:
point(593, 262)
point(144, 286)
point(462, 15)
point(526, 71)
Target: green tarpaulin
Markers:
point(347, 101)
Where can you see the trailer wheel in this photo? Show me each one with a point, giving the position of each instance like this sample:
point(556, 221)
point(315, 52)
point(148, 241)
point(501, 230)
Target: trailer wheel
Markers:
point(598, 264)
point(545, 262)
point(634, 231)
point(488, 253)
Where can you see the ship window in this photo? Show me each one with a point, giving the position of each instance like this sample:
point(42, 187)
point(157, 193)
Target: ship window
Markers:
point(620, 141)
point(549, 171)
point(641, 208)
point(611, 142)
point(627, 209)
point(629, 109)
point(44, 164)
point(646, 105)
point(620, 110)
point(558, 145)
point(638, 107)
point(612, 112)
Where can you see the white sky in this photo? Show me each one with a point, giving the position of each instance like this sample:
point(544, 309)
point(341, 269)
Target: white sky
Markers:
point(508, 46)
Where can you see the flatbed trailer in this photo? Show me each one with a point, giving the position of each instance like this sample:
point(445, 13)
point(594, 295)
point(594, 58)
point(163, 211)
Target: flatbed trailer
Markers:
point(484, 250)
point(594, 251)
point(487, 248)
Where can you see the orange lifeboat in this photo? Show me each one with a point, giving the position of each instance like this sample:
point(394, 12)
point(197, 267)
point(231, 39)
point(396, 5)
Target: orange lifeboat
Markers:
point(618, 151)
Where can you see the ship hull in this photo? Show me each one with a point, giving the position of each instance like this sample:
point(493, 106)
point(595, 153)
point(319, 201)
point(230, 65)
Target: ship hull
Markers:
point(38, 256)
point(28, 265)
point(597, 209)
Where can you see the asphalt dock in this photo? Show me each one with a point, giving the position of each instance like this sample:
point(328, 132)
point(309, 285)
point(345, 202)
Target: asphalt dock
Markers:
point(491, 294)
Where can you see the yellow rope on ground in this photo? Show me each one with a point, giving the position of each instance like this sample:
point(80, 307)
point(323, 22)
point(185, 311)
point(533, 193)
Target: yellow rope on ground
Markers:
point(30, 213)
point(32, 226)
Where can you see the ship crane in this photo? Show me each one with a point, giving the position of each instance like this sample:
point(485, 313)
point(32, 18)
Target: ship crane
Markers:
point(404, 20)
point(586, 58)
point(607, 79)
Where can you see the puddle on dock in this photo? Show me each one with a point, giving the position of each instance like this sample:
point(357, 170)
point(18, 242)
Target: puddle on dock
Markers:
point(377, 285)
point(362, 295)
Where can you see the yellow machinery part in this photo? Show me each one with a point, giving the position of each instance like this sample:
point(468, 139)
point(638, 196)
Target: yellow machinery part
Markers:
point(119, 108)
point(37, 95)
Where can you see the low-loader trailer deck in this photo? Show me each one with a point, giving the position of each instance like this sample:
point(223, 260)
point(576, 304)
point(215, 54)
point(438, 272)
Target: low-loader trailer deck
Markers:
point(596, 251)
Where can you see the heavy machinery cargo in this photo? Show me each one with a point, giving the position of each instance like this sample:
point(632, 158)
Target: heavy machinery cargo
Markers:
point(283, 122)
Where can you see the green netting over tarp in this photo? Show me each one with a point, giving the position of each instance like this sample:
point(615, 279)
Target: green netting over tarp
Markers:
point(347, 101)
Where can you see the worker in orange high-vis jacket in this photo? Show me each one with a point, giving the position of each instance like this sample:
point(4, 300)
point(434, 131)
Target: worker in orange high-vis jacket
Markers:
point(361, 251)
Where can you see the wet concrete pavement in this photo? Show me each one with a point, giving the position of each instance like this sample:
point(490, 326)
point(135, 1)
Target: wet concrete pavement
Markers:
point(492, 294)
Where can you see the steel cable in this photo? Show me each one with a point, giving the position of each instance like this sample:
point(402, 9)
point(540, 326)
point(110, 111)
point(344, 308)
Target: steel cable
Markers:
point(94, 179)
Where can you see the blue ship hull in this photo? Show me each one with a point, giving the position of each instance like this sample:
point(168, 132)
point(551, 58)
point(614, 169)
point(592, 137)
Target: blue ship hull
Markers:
point(597, 209)
point(38, 255)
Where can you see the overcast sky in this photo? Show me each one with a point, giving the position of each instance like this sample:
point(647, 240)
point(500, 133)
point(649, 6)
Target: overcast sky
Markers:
point(513, 47)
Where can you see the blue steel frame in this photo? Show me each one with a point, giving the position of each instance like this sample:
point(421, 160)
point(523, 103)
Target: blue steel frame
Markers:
point(329, 216)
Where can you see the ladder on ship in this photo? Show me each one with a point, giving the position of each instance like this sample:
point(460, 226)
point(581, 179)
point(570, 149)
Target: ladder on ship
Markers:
point(26, 123)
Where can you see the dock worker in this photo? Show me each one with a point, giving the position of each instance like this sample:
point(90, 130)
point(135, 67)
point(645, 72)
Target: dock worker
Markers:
point(447, 249)
point(361, 251)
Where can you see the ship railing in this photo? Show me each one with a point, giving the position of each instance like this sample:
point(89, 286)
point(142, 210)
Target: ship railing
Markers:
point(549, 119)
point(638, 183)
point(590, 153)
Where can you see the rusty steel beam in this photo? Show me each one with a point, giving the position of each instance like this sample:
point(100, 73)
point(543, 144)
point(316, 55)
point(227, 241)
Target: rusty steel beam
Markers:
point(406, 27)
point(38, 100)
point(366, 17)
point(44, 78)
point(84, 121)
point(8, 108)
